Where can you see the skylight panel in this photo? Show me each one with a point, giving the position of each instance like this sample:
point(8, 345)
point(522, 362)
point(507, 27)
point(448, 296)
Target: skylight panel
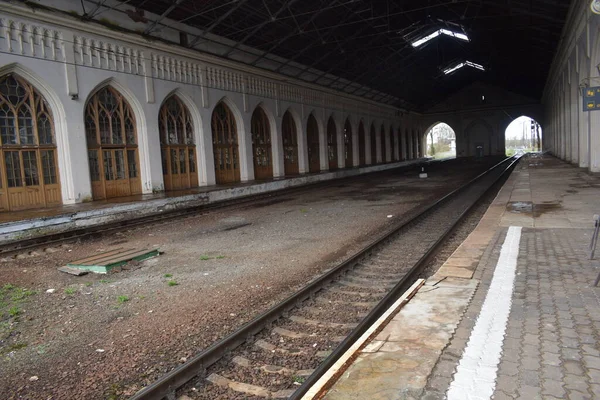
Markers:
point(447, 32)
point(458, 66)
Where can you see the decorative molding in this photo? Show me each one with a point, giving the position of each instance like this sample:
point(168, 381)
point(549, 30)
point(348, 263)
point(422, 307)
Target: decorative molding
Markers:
point(318, 94)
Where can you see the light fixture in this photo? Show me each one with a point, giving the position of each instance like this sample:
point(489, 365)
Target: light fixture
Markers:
point(442, 31)
point(458, 66)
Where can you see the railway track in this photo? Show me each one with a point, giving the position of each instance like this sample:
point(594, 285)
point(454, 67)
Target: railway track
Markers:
point(12, 248)
point(8, 249)
point(284, 351)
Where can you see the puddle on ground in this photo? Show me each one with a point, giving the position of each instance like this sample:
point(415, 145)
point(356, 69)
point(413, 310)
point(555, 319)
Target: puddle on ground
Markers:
point(536, 210)
point(539, 209)
point(520, 207)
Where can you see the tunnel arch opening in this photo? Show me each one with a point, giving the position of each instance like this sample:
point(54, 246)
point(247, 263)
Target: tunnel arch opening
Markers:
point(441, 141)
point(522, 135)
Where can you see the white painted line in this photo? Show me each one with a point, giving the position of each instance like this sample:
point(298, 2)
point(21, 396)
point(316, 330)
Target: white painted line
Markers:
point(476, 373)
point(318, 387)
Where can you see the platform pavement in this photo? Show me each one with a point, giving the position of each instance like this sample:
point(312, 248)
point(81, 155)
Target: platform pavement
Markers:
point(549, 345)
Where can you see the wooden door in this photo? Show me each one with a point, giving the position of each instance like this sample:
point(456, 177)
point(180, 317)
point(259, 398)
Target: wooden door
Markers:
point(28, 162)
point(290, 145)
point(225, 145)
point(112, 146)
point(178, 151)
point(312, 133)
point(261, 145)
point(332, 144)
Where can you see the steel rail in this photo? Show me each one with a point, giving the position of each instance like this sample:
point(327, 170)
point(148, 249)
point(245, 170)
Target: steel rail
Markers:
point(26, 244)
point(402, 286)
point(166, 386)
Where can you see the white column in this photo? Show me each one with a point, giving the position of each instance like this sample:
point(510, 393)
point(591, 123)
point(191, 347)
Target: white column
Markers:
point(324, 154)
point(152, 138)
point(355, 148)
point(341, 153)
point(567, 123)
point(245, 148)
point(378, 143)
point(403, 144)
point(206, 156)
point(409, 144)
point(277, 149)
point(574, 117)
point(594, 141)
point(302, 139)
point(584, 137)
point(368, 160)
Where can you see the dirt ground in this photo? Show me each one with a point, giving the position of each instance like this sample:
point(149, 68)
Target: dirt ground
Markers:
point(106, 336)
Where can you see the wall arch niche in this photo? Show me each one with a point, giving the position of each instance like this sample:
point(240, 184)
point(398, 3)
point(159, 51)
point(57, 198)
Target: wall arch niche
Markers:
point(332, 144)
point(441, 141)
point(312, 133)
point(348, 144)
point(28, 162)
point(225, 145)
point(290, 144)
point(178, 151)
point(111, 135)
point(261, 145)
point(362, 144)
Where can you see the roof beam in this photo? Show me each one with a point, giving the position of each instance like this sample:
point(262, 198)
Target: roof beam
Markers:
point(287, 4)
point(152, 25)
point(217, 22)
point(286, 37)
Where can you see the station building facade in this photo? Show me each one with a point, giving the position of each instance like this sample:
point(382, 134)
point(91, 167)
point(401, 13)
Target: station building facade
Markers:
point(572, 133)
point(88, 113)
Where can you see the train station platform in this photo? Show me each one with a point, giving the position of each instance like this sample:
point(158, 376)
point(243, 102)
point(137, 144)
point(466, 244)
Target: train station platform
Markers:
point(18, 225)
point(513, 313)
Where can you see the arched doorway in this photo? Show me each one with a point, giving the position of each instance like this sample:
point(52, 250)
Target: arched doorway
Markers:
point(522, 135)
point(28, 147)
point(362, 143)
point(373, 146)
point(348, 144)
point(261, 145)
point(441, 141)
point(110, 130)
point(178, 151)
point(332, 144)
point(312, 136)
point(383, 144)
point(290, 145)
point(225, 145)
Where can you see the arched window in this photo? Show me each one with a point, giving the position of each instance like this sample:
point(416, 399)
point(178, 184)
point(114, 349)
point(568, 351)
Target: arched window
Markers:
point(383, 144)
point(290, 145)
point(178, 152)
point(110, 131)
point(225, 145)
point(312, 136)
point(29, 177)
point(373, 145)
point(348, 144)
point(261, 145)
point(332, 144)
